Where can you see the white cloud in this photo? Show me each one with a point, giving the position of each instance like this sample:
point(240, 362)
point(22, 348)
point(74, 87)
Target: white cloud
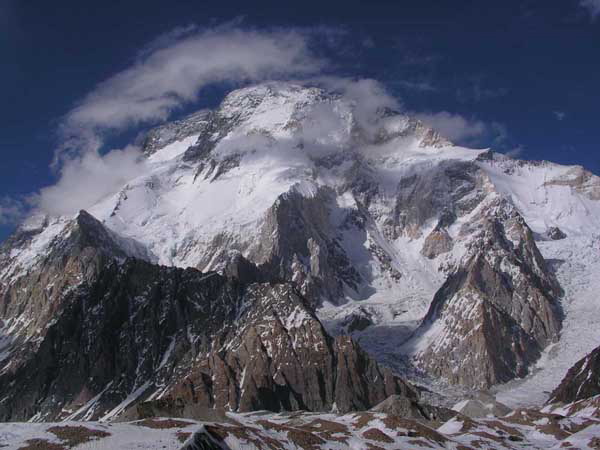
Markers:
point(560, 115)
point(592, 6)
point(367, 95)
point(463, 130)
point(172, 71)
point(515, 152)
point(11, 211)
point(422, 86)
point(86, 179)
point(168, 73)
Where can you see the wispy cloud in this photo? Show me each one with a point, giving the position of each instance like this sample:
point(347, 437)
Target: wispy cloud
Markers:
point(559, 115)
point(87, 179)
point(368, 96)
point(11, 211)
point(475, 90)
point(515, 152)
point(464, 130)
point(172, 72)
point(592, 7)
point(168, 73)
point(422, 86)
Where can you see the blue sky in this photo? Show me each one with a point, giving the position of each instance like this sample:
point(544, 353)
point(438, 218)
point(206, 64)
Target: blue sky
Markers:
point(520, 76)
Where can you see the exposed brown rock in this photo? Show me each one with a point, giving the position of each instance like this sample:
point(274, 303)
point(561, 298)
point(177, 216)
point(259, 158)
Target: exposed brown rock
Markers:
point(436, 243)
point(76, 435)
point(374, 434)
point(280, 358)
point(202, 341)
point(581, 381)
point(495, 313)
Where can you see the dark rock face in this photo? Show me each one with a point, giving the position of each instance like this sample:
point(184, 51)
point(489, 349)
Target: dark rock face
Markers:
point(399, 406)
point(496, 311)
point(75, 256)
point(453, 189)
point(204, 440)
point(130, 331)
point(581, 381)
point(555, 233)
point(279, 357)
point(164, 135)
point(110, 336)
point(359, 320)
point(298, 244)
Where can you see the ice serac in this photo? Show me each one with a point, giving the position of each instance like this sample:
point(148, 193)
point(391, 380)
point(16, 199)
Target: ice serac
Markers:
point(581, 381)
point(497, 310)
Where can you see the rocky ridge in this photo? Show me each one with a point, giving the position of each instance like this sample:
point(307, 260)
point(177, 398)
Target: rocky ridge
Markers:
point(119, 331)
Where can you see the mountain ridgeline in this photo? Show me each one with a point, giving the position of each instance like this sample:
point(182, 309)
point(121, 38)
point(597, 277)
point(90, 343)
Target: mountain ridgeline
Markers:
point(264, 241)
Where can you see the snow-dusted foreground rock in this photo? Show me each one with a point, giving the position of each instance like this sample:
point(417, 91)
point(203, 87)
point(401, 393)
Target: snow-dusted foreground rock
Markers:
point(576, 425)
point(146, 434)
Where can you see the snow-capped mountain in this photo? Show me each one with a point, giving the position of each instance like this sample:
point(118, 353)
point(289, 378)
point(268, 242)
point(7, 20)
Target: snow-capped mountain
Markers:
point(468, 265)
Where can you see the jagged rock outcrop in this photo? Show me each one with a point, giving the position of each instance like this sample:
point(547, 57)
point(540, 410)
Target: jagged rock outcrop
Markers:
point(178, 130)
point(298, 243)
point(32, 284)
point(495, 313)
point(278, 357)
point(555, 233)
point(481, 405)
point(131, 331)
point(398, 406)
point(441, 192)
point(436, 243)
point(581, 381)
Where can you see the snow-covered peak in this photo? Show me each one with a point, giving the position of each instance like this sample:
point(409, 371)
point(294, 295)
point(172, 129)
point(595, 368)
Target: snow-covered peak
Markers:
point(217, 173)
point(213, 177)
point(372, 210)
point(307, 118)
point(245, 101)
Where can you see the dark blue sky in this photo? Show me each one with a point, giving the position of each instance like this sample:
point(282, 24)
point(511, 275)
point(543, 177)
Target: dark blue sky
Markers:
point(521, 65)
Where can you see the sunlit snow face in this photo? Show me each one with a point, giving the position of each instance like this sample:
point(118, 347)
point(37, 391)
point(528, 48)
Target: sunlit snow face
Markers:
point(292, 128)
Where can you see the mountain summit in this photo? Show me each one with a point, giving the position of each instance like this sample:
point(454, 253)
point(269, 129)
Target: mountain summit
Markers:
point(258, 230)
